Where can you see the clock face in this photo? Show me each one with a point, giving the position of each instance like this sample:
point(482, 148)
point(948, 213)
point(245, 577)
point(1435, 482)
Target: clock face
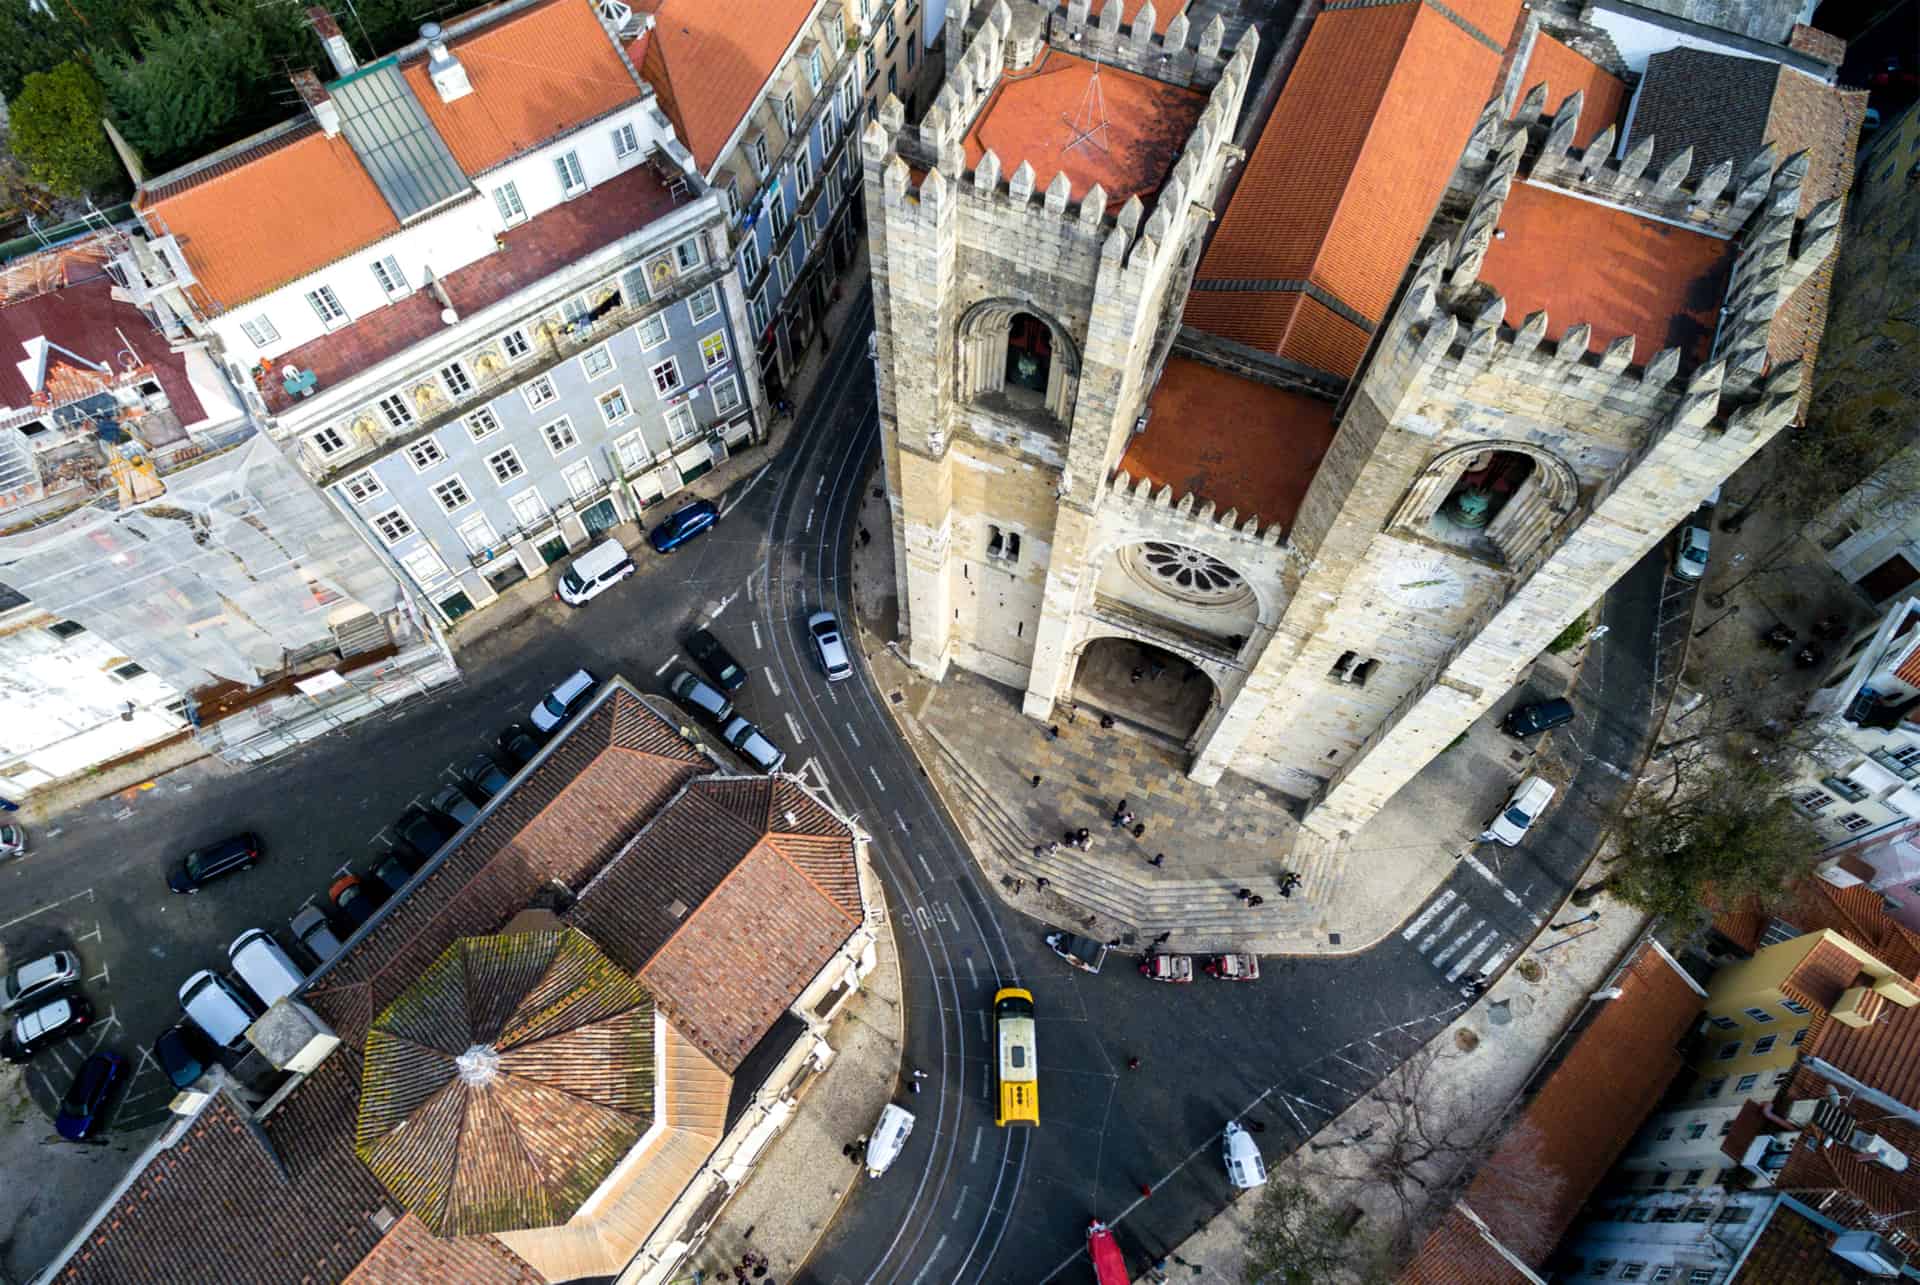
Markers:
point(1426, 580)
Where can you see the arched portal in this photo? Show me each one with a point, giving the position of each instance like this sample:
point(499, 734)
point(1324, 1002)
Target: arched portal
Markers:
point(1499, 500)
point(1141, 684)
point(1014, 359)
point(1483, 489)
point(1029, 359)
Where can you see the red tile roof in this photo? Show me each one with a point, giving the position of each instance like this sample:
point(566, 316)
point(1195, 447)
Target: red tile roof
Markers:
point(708, 59)
point(1461, 1251)
point(410, 1254)
point(1242, 444)
point(1565, 71)
point(1865, 1194)
point(1287, 322)
point(542, 245)
point(1792, 1248)
point(1033, 115)
point(536, 74)
point(1823, 974)
point(1811, 905)
point(1630, 275)
point(1339, 197)
point(84, 318)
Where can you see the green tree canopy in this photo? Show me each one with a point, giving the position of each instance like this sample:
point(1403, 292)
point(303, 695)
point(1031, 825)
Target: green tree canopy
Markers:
point(57, 132)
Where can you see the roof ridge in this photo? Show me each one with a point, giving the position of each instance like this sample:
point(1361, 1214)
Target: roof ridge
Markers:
point(772, 842)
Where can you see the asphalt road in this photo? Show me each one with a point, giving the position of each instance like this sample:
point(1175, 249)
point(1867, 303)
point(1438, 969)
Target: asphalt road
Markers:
point(966, 1201)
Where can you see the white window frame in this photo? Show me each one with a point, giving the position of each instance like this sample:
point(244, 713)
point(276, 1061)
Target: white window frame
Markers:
point(455, 482)
point(682, 426)
point(625, 143)
point(816, 71)
point(530, 517)
point(532, 386)
point(508, 205)
point(425, 554)
point(476, 522)
point(363, 486)
point(618, 391)
point(663, 390)
point(328, 440)
point(394, 409)
point(565, 424)
point(640, 331)
point(789, 114)
point(762, 314)
point(427, 453)
point(731, 387)
point(632, 451)
point(849, 99)
point(393, 516)
point(573, 179)
point(571, 476)
point(260, 331)
point(391, 277)
point(604, 353)
point(482, 423)
point(710, 298)
point(688, 253)
point(802, 173)
point(456, 379)
point(493, 467)
point(515, 335)
point(707, 359)
point(326, 305)
point(750, 257)
point(757, 152)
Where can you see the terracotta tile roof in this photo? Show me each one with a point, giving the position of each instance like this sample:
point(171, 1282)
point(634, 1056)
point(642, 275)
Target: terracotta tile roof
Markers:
point(410, 1254)
point(708, 59)
point(536, 74)
point(1631, 275)
point(1162, 14)
point(272, 215)
point(1461, 1252)
point(1823, 974)
point(574, 811)
point(84, 318)
point(1340, 198)
point(1812, 905)
point(1823, 45)
point(1287, 322)
point(535, 249)
point(1864, 1193)
point(1245, 445)
point(1884, 1055)
point(1566, 70)
point(1026, 118)
point(1792, 1247)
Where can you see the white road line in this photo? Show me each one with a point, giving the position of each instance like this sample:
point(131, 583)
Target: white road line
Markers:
point(101, 976)
point(1355, 1065)
point(979, 1130)
point(923, 864)
point(1462, 964)
point(1457, 943)
point(666, 664)
point(1426, 943)
point(874, 772)
point(750, 597)
point(724, 604)
point(972, 975)
point(901, 821)
point(820, 485)
point(756, 639)
point(1297, 1121)
point(21, 919)
point(1496, 959)
point(1439, 904)
point(854, 735)
point(809, 525)
point(754, 481)
point(1494, 879)
point(773, 683)
point(92, 936)
point(958, 1201)
point(927, 1266)
point(793, 726)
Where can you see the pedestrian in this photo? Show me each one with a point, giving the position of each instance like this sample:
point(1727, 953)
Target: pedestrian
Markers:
point(866, 537)
point(1474, 988)
point(1139, 830)
point(1106, 722)
point(919, 1074)
point(1019, 886)
point(1159, 859)
point(1120, 813)
point(1053, 846)
point(1145, 1189)
point(1286, 890)
point(1041, 884)
point(1090, 921)
point(1053, 733)
point(1133, 1064)
point(1036, 780)
point(1255, 901)
point(1039, 849)
point(1135, 677)
point(1085, 836)
point(847, 1150)
point(1244, 893)
point(1161, 940)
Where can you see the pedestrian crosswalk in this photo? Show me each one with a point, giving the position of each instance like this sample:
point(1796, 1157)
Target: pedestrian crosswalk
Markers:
point(1456, 938)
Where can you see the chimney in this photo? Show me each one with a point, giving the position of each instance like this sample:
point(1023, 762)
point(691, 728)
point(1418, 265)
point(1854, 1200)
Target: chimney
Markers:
point(448, 76)
point(318, 101)
point(344, 63)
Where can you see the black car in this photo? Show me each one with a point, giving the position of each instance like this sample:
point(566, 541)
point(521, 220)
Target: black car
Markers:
point(519, 745)
point(391, 872)
point(80, 1109)
point(355, 898)
point(183, 1054)
point(1541, 716)
point(425, 831)
point(482, 778)
point(716, 660)
point(203, 865)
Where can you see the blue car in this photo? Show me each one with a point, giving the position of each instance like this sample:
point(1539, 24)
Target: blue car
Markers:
point(80, 1109)
point(677, 528)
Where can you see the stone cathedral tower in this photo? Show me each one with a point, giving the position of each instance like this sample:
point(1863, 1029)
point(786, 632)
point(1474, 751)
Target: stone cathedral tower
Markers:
point(1448, 368)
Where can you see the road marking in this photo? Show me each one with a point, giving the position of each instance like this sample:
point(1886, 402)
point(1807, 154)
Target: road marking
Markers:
point(123, 814)
point(1350, 1062)
point(820, 485)
point(926, 1267)
point(1458, 942)
point(724, 604)
point(979, 1130)
point(1465, 961)
point(794, 727)
point(1297, 1121)
point(750, 588)
point(1491, 878)
point(923, 864)
point(666, 664)
point(752, 482)
point(1426, 943)
point(809, 525)
point(1496, 959)
point(773, 682)
point(855, 735)
point(1440, 903)
point(101, 976)
point(756, 634)
point(883, 789)
point(957, 1202)
point(92, 936)
point(901, 822)
point(972, 976)
point(21, 919)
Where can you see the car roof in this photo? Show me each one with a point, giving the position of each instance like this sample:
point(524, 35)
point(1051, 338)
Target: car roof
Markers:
point(1535, 789)
point(575, 681)
point(52, 1013)
point(39, 970)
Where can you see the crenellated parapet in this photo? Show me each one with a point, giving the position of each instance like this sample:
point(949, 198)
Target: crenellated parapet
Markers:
point(1129, 492)
point(1181, 55)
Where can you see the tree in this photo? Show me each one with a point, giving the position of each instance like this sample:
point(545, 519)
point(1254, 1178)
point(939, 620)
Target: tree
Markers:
point(1295, 1239)
point(57, 132)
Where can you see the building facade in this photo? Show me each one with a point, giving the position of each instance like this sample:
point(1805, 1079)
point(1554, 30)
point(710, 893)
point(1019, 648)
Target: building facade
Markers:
point(1328, 483)
point(1856, 780)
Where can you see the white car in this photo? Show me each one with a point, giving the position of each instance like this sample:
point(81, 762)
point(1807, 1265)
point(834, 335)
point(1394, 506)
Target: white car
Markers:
point(1245, 1169)
point(555, 707)
point(38, 978)
point(13, 842)
point(1690, 555)
point(888, 1137)
point(829, 646)
point(1530, 799)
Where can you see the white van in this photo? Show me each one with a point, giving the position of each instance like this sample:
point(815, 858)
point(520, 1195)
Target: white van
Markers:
point(594, 572)
point(217, 1007)
point(264, 967)
point(888, 1137)
point(1245, 1168)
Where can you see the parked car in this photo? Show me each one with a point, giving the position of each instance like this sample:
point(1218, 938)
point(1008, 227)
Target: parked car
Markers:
point(519, 745)
point(215, 861)
point(700, 698)
point(354, 899)
point(81, 1109)
point(314, 931)
point(750, 743)
point(559, 704)
point(183, 1053)
point(1690, 555)
point(218, 1008)
point(1084, 953)
point(1245, 1168)
point(594, 572)
point(37, 1027)
point(1540, 716)
point(1177, 969)
point(13, 842)
point(452, 802)
point(1530, 799)
point(424, 832)
point(264, 967)
point(682, 525)
point(829, 646)
point(716, 660)
point(483, 777)
point(39, 978)
point(391, 873)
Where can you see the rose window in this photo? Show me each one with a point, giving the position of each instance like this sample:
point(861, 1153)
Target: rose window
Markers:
point(1191, 573)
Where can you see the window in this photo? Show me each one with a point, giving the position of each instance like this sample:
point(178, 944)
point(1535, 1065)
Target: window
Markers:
point(424, 565)
point(666, 376)
point(1666, 1214)
point(816, 71)
point(1780, 1078)
point(1777, 931)
point(1813, 800)
point(713, 349)
point(1711, 1089)
point(758, 151)
point(1698, 1213)
point(1799, 1037)
point(1601, 1266)
point(1662, 1274)
point(529, 510)
point(893, 33)
point(505, 465)
point(836, 31)
point(1729, 1051)
point(328, 441)
point(652, 331)
point(1700, 1276)
point(453, 494)
point(802, 173)
point(506, 199)
point(1854, 823)
point(632, 452)
point(1665, 1134)
point(1632, 1271)
point(624, 143)
point(873, 64)
point(128, 671)
point(596, 361)
point(777, 212)
point(394, 408)
point(614, 406)
point(1733, 1214)
point(538, 391)
point(789, 118)
point(424, 454)
point(1724, 1023)
point(259, 331)
point(704, 304)
point(893, 78)
point(687, 254)
point(732, 192)
point(680, 424)
point(572, 181)
point(560, 436)
point(362, 486)
point(459, 383)
point(849, 99)
point(392, 526)
point(482, 423)
point(1760, 1015)
point(726, 395)
point(1745, 1083)
point(1696, 1131)
point(913, 53)
point(1693, 1178)
point(326, 305)
point(580, 479)
point(761, 315)
point(1765, 1043)
point(1792, 1006)
point(749, 258)
point(393, 281)
point(515, 344)
point(476, 533)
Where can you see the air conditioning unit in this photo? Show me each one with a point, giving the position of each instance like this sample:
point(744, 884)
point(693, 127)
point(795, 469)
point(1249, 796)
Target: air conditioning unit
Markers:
point(1871, 1253)
point(1878, 1148)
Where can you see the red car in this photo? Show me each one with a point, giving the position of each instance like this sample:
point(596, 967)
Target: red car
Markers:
point(1167, 968)
point(1109, 1267)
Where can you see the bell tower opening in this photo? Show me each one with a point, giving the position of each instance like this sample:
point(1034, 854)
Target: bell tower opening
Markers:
point(1029, 360)
point(1485, 485)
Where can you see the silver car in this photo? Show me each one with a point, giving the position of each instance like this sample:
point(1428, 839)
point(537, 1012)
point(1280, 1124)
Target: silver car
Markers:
point(751, 744)
point(13, 842)
point(38, 978)
point(829, 646)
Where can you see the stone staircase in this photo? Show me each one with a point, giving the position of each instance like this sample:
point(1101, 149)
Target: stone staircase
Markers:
point(1191, 898)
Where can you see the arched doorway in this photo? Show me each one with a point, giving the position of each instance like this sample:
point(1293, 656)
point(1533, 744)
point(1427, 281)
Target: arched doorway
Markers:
point(1483, 489)
point(1029, 359)
point(1143, 685)
point(1012, 359)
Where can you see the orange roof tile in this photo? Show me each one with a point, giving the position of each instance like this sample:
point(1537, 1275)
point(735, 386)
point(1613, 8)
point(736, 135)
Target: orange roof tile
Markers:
point(292, 206)
point(535, 74)
point(1497, 20)
point(707, 60)
point(1295, 325)
point(1617, 272)
point(1026, 119)
point(1811, 905)
point(1242, 444)
point(1340, 198)
point(1566, 70)
point(1162, 13)
point(1823, 974)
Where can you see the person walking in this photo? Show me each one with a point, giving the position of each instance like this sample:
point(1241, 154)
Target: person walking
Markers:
point(1139, 829)
point(1120, 814)
point(1159, 859)
point(1085, 839)
point(1053, 733)
point(1474, 986)
point(1255, 901)
point(1106, 722)
point(1133, 1064)
point(1041, 884)
point(1036, 780)
point(1244, 893)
